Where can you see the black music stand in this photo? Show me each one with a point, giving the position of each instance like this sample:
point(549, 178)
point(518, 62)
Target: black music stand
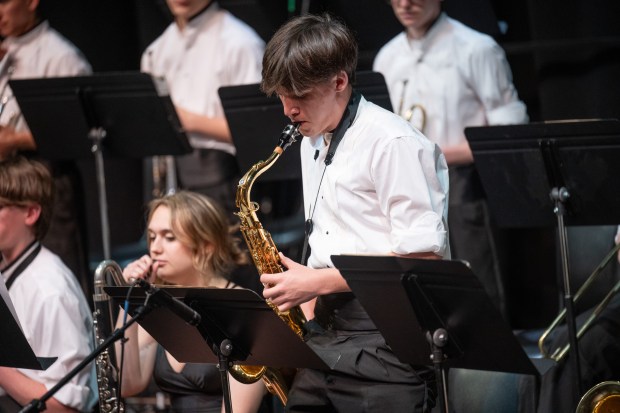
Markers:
point(564, 168)
point(15, 351)
point(124, 114)
point(237, 320)
point(256, 121)
point(438, 314)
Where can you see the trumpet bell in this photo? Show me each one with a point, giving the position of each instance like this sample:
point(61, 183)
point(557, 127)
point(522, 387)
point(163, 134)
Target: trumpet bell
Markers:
point(602, 398)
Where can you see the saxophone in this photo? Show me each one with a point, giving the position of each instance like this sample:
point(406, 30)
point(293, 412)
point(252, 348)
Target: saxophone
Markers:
point(267, 260)
point(107, 376)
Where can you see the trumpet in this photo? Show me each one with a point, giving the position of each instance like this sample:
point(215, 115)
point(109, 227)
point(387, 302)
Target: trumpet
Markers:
point(416, 114)
point(559, 353)
point(418, 121)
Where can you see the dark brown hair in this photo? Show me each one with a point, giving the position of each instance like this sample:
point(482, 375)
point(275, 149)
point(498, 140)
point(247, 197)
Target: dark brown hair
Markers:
point(23, 182)
point(306, 51)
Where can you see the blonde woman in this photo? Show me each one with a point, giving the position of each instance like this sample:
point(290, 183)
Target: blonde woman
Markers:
point(190, 245)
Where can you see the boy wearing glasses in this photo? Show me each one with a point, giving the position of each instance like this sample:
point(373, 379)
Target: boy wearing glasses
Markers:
point(49, 303)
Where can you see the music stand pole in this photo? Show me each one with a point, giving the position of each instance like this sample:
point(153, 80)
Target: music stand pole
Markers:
point(438, 340)
point(224, 350)
point(96, 135)
point(559, 197)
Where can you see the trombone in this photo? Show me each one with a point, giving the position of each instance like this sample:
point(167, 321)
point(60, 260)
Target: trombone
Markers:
point(559, 353)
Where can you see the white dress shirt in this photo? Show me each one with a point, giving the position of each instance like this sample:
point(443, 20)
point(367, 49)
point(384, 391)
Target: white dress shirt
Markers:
point(385, 191)
point(214, 49)
point(460, 76)
point(57, 322)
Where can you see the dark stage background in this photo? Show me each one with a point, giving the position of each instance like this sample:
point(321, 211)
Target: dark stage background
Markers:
point(565, 57)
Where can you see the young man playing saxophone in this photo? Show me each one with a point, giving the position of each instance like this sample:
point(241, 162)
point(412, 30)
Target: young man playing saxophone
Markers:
point(383, 192)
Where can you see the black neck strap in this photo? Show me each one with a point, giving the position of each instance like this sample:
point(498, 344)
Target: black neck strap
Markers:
point(347, 119)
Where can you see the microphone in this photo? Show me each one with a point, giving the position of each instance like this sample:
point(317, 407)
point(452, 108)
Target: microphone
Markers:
point(178, 307)
point(316, 154)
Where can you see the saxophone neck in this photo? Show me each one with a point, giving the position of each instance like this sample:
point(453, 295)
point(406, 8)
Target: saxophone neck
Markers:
point(244, 188)
point(287, 138)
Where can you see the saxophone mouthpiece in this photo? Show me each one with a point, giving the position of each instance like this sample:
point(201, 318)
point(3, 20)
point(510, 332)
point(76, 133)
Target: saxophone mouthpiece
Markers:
point(289, 136)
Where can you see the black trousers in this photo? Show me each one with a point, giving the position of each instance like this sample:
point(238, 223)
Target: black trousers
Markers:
point(365, 375)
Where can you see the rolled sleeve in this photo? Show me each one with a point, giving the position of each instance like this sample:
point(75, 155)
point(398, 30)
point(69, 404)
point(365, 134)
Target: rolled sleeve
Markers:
point(428, 234)
point(415, 205)
point(492, 80)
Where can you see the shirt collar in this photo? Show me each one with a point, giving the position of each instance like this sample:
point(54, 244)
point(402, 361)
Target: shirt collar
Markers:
point(194, 25)
point(9, 270)
point(431, 36)
point(327, 137)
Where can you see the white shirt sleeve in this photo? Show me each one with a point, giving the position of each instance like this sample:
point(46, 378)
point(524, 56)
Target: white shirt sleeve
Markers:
point(412, 193)
point(492, 79)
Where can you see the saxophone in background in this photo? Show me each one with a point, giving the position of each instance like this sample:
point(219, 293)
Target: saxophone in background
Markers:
point(267, 260)
point(107, 375)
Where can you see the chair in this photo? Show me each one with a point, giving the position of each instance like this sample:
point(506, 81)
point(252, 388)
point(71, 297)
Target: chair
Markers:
point(477, 391)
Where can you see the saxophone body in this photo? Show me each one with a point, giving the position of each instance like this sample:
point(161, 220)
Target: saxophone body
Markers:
point(267, 260)
point(107, 375)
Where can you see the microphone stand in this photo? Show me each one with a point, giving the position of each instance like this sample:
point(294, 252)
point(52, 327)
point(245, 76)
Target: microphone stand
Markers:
point(38, 405)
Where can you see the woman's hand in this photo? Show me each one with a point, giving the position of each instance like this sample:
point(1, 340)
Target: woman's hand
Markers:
point(144, 268)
